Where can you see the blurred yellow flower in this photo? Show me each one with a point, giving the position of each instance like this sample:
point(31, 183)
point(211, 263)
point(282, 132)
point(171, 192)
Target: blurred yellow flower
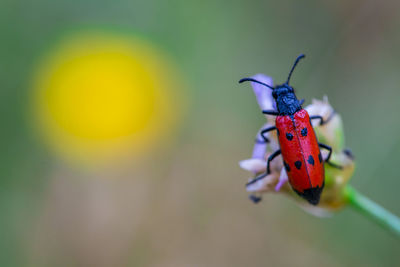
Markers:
point(98, 96)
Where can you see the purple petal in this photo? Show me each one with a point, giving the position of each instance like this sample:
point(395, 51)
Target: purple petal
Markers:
point(263, 94)
point(283, 178)
point(260, 147)
point(259, 150)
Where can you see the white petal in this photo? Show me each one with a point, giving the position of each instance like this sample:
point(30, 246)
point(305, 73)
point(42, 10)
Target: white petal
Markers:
point(316, 211)
point(263, 185)
point(325, 154)
point(254, 165)
point(321, 108)
point(260, 185)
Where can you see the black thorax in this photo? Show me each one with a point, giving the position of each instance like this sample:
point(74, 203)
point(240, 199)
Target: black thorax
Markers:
point(286, 100)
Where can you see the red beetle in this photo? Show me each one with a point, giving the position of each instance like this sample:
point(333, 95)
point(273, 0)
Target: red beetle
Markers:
point(298, 143)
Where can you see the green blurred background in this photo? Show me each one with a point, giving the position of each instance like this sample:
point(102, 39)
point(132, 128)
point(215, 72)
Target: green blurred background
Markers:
point(185, 204)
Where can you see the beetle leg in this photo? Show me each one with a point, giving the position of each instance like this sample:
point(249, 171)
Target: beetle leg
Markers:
point(348, 153)
point(322, 121)
point(271, 112)
point(263, 131)
point(329, 156)
point(270, 158)
point(255, 198)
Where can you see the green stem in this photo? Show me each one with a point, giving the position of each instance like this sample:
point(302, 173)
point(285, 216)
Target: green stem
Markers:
point(384, 218)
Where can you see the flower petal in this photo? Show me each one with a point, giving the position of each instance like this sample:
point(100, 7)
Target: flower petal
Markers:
point(260, 146)
point(331, 133)
point(321, 108)
point(283, 179)
point(263, 94)
point(254, 165)
point(315, 210)
point(262, 185)
point(259, 150)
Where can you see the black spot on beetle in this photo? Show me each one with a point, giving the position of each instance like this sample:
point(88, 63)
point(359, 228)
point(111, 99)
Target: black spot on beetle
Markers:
point(289, 136)
point(298, 164)
point(311, 160)
point(286, 166)
point(320, 157)
point(304, 132)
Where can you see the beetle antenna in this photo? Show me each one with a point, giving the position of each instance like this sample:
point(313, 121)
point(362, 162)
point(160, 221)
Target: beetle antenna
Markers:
point(294, 66)
point(254, 80)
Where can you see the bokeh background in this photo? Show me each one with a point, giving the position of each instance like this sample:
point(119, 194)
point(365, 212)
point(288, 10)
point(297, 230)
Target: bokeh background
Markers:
point(102, 169)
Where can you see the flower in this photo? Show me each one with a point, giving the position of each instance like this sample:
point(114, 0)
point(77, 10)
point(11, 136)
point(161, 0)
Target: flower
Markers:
point(100, 96)
point(330, 133)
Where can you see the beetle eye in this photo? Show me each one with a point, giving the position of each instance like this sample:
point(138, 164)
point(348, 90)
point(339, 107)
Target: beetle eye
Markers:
point(274, 94)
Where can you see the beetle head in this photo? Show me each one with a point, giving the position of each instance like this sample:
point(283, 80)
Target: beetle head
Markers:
point(282, 90)
point(286, 100)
